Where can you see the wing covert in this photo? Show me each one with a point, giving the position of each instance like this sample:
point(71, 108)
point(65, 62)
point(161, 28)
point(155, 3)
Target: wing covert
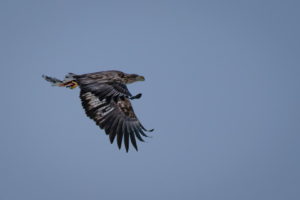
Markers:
point(104, 86)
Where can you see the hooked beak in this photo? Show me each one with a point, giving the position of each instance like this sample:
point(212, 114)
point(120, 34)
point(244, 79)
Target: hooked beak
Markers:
point(140, 78)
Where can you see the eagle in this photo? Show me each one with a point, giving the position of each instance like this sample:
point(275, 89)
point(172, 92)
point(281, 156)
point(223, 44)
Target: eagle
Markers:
point(106, 100)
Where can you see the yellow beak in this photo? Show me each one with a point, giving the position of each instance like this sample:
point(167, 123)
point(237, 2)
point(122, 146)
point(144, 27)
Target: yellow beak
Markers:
point(140, 78)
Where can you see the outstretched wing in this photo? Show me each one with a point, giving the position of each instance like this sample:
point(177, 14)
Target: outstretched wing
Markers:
point(104, 85)
point(118, 119)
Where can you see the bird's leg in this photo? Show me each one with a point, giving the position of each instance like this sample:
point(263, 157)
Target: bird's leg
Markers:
point(136, 96)
point(74, 85)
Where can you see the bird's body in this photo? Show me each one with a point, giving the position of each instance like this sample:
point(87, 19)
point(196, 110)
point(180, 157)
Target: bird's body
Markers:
point(105, 98)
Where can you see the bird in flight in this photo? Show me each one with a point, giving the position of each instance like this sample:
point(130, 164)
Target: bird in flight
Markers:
point(106, 100)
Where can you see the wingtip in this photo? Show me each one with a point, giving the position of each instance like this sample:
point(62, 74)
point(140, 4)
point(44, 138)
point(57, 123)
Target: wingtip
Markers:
point(138, 96)
point(111, 141)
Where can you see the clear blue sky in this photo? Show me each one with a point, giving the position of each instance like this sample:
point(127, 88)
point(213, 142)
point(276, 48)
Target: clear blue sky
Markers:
point(221, 91)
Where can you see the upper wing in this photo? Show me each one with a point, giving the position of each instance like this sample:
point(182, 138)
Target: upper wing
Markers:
point(104, 85)
point(117, 119)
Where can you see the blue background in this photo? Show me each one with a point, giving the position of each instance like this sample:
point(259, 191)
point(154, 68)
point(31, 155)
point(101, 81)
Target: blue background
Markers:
point(222, 92)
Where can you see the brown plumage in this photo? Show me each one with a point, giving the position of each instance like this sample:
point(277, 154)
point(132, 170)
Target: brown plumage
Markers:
point(105, 99)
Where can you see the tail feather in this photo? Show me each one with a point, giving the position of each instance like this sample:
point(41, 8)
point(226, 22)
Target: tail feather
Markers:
point(56, 82)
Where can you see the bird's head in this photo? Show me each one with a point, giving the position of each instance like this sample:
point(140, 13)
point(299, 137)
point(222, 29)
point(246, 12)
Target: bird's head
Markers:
point(134, 78)
point(131, 78)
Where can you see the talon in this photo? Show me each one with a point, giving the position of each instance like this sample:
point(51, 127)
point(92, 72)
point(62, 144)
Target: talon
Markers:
point(74, 85)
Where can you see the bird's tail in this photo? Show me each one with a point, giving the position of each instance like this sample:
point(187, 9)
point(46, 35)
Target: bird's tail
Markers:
point(69, 81)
